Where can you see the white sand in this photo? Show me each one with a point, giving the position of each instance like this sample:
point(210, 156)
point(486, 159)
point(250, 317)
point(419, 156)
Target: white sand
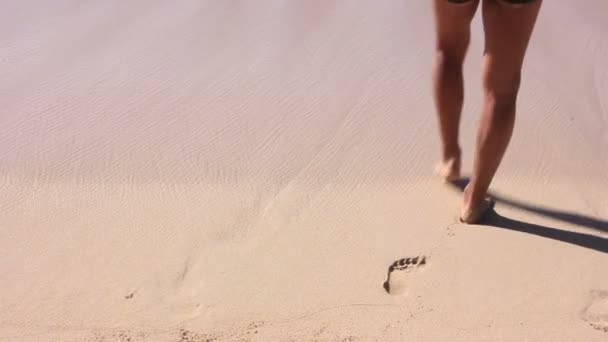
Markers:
point(247, 171)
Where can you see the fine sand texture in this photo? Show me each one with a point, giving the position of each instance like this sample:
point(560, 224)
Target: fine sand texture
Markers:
point(198, 171)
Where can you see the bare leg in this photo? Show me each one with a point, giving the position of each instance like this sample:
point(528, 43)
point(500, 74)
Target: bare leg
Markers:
point(507, 32)
point(452, 21)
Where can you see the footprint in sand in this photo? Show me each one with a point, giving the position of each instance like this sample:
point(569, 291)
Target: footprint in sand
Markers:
point(189, 336)
point(395, 278)
point(596, 311)
point(118, 336)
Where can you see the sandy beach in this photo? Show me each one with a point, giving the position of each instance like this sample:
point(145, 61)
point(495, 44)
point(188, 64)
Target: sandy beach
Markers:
point(209, 171)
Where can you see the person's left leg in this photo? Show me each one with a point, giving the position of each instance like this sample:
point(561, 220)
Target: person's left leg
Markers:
point(452, 22)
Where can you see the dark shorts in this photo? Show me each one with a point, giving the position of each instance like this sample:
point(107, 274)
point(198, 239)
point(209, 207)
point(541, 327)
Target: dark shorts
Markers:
point(514, 2)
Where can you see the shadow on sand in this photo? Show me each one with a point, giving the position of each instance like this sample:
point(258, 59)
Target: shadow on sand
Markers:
point(590, 241)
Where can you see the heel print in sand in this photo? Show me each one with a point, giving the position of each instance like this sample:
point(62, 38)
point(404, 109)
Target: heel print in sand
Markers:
point(395, 283)
point(596, 311)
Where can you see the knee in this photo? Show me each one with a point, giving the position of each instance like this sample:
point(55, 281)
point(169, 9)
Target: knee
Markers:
point(447, 66)
point(501, 92)
point(448, 61)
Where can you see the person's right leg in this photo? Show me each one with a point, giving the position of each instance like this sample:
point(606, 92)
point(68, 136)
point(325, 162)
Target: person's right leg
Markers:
point(508, 27)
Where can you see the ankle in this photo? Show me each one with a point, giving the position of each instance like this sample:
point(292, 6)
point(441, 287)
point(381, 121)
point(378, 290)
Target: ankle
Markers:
point(451, 153)
point(473, 196)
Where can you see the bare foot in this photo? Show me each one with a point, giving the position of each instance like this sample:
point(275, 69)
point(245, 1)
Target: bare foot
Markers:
point(449, 169)
point(473, 211)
